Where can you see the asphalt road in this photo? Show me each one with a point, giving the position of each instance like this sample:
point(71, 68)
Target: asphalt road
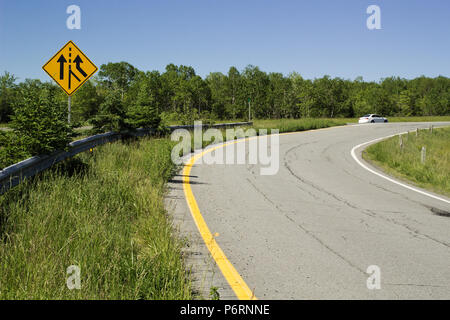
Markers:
point(312, 230)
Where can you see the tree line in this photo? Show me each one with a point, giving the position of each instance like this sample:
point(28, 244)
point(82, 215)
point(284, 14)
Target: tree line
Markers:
point(179, 94)
point(121, 97)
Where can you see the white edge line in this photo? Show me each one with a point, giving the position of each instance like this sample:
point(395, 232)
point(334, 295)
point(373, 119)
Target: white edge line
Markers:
point(386, 177)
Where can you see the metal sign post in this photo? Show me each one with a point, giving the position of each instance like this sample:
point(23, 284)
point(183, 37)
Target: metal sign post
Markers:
point(70, 107)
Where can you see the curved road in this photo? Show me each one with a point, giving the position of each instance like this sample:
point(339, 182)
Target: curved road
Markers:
point(312, 230)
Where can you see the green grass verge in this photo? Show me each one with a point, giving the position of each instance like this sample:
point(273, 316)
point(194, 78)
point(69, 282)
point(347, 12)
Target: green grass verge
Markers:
point(103, 212)
point(434, 174)
point(292, 125)
point(419, 119)
point(283, 125)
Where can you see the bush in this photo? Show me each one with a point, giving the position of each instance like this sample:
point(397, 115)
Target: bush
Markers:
point(40, 120)
point(143, 114)
point(111, 115)
point(12, 149)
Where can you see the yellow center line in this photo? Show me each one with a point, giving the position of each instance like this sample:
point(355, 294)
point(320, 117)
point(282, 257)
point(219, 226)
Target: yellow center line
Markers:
point(233, 278)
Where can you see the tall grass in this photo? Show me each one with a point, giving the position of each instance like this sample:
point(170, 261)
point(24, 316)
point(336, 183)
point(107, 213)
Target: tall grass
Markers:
point(419, 119)
point(406, 163)
point(103, 212)
point(291, 125)
point(283, 125)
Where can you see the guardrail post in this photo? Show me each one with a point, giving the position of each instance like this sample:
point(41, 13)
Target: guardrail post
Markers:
point(423, 154)
point(69, 108)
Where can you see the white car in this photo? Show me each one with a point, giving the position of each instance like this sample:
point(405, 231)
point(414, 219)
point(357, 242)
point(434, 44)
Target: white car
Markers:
point(372, 118)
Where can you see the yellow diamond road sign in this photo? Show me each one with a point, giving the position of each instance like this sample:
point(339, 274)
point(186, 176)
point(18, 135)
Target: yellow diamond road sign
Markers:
point(70, 68)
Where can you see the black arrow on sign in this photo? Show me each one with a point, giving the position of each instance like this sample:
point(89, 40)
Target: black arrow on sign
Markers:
point(78, 61)
point(72, 74)
point(61, 61)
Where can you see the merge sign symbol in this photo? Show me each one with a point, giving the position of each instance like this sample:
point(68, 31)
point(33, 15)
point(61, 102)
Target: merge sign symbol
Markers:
point(70, 68)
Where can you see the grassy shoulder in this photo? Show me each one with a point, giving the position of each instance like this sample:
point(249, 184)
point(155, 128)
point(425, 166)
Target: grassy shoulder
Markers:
point(419, 119)
point(292, 125)
point(103, 212)
point(406, 163)
point(283, 125)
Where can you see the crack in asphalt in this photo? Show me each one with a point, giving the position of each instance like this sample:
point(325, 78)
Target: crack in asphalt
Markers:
point(364, 211)
point(305, 230)
point(415, 285)
point(381, 187)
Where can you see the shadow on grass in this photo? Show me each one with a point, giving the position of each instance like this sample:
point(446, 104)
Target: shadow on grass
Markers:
point(71, 167)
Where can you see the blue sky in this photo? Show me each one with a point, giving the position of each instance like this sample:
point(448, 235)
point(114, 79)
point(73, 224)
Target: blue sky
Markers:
point(313, 38)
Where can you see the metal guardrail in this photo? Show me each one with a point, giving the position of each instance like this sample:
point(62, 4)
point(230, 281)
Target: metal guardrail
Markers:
point(13, 175)
point(218, 126)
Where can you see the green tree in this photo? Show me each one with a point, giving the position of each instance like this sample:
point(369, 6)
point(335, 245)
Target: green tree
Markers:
point(112, 114)
point(277, 95)
point(12, 149)
point(404, 103)
point(40, 119)
point(85, 102)
point(216, 82)
point(256, 84)
point(7, 96)
point(117, 76)
point(144, 113)
point(306, 97)
point(235, 106)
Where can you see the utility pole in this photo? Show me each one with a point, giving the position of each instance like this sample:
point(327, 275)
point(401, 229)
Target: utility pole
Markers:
point(249, 112)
